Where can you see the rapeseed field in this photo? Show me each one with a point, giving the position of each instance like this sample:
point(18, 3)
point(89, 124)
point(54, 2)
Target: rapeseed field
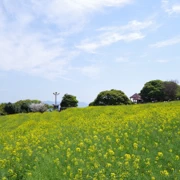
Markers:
point(133, 142)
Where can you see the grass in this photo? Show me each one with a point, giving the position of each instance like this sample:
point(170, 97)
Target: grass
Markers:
point(114, 142)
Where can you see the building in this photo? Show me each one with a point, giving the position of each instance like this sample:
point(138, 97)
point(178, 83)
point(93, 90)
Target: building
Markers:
point(136, 98)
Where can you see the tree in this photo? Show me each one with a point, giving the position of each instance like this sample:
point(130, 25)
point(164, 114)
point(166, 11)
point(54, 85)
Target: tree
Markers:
point(157, 90)
point(170, 90)
point(178, 93)
point(41, 107)
point(11, 108)
point(112, 97)
point(2, 111)
point(68, 100)
point(24, 105)
point(153, 91)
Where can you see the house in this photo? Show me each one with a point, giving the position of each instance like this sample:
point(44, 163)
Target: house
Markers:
point(136, 98)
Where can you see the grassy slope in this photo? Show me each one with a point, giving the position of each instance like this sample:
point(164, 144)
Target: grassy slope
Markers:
point(127, 142)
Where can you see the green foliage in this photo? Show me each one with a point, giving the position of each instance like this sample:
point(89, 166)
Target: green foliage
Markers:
point(68, 101)
point(178, 93)
point(157, 90)
point(11, 108)
point(153, 91)
point(112, 97)
point(21, 106)
point(2, 111)
point(24, 105)
point(170, 90)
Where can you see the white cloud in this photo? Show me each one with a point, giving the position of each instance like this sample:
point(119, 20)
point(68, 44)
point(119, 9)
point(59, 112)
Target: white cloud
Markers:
point(61, 12)
point(27, 53)
point(169, 42)
point(107, 39)
point(131, 26)
point(171, 7)
point(176, 8)
point(33, 34)
point(109, 35)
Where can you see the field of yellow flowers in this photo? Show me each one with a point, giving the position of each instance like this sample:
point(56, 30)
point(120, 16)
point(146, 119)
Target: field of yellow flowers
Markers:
point(132, 142)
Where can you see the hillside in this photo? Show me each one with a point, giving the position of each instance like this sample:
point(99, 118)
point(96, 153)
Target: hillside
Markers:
point(112, 142)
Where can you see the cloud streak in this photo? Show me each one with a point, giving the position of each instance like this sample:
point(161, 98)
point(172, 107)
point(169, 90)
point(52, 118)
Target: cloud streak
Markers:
point(168, 42)
point(170, 8)
point(109, 35)
point(107, 39)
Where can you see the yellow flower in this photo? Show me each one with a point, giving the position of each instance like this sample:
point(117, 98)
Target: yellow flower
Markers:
point(177, 157)
point(10, 171)
point(164, 173)
point(80, 171)
point(143, 149)
point(56, 161)
point(111, 152)
point(135, 145)
point(78, 149)
point(4, 178)
point(160, 154)
point(147, 163)
point(29, 174)
point(127, 156)
point(170, 150)
point(108, 165)
point(121, 148)
point(81, 144)
point(113, 175)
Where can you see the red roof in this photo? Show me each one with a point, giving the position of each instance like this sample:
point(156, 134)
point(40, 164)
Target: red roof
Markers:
point(136, 97)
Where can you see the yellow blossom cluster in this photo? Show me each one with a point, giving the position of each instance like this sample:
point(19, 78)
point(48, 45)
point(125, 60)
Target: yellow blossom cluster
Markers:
point(94, 143)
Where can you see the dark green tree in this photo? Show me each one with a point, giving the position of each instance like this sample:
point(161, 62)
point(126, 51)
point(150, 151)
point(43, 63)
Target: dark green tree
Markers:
point(68, 100)
point(11, 108)
point(170, 90)
point(178, 93)
point(2, 111)
point(153, 91)
point(112, 97)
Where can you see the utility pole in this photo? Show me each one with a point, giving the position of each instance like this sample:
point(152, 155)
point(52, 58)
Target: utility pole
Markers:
point(56, 105)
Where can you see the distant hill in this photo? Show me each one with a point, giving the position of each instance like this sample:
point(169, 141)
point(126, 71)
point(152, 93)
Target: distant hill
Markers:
point(50, 102)
point(80, 104)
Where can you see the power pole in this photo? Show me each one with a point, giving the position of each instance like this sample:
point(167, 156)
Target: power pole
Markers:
point(56, 105)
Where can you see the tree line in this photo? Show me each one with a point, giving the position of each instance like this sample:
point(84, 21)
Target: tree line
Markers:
point(154, 90)
point(157, 90)
point(27, 106)
point(23, 106)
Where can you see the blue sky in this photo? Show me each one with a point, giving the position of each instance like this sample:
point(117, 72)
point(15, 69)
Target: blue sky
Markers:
point(82, 47)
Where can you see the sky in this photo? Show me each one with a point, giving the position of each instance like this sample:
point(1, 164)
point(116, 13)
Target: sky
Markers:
point(83, 47)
